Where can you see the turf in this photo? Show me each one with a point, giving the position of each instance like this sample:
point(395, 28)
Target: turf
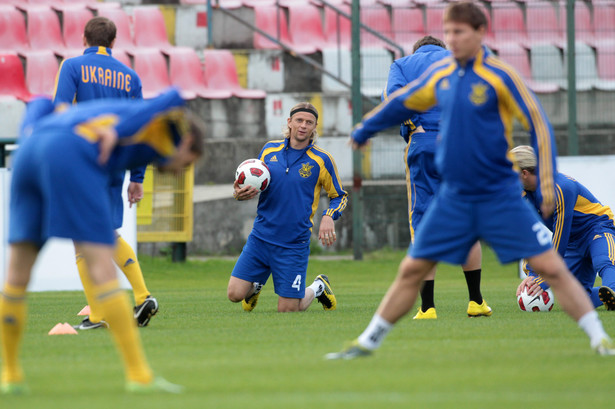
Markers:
point(228, 358)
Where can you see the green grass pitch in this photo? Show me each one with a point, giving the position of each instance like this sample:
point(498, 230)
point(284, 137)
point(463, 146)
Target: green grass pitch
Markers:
point(228, 358)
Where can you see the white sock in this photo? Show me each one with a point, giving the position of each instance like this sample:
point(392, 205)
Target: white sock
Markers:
point(375, 332)
point(591, 324)
point(318, 287)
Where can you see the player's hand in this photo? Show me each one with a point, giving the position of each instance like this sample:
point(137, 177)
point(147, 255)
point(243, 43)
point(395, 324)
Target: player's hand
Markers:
point(533, 288)
point(547, 209)
point(135, 193)
point(107, 139)
point(326, 233)
point(244, 193)
point(356, 146)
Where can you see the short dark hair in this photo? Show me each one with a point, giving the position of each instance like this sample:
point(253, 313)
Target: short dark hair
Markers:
point(428, 40)
point(466, 12)
point(100, 32)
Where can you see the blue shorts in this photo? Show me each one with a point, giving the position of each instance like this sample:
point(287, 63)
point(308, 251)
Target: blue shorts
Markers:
point(422, 178)
point(287, 266)
point(117, 201)
point(58, 189)
point(453, 223)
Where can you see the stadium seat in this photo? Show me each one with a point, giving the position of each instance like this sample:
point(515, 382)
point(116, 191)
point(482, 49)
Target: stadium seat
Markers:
point(586, 69)
point(337, 27)
point(13, 34)
point(73, 23)
point(604, 22)
point(151, 67)
point(407, 26)
point(508, 25)
point(12, 77)
point(149, 28)
point(542, 23)
point(433, 21)
point(44, 31)
point(41, 69)
point(547, 64)
point(605, 55)
point(122, 56)
point(186, 72)
point(123, 38)
point(375, 64)
point(221, 74)
point(583, 28)
point(517, 56)
point(305, 28)
point(269, 19)
point(378, 19)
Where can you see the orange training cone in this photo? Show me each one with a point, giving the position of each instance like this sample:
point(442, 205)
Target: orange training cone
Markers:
point(85, 310)
point(62, 329)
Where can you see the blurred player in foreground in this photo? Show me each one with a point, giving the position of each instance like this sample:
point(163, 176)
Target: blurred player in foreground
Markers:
point(95, 75)
point(583, 232)
point(59, 189)
point(420, 132)
point(279, 244)
point(480, 195)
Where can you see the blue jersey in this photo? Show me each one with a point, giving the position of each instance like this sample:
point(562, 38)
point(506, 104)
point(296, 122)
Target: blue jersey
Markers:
point(95, 75)
point(478, 102)
point(407, 69)
point(286, 209)
point(583, 231)
point(58, 187)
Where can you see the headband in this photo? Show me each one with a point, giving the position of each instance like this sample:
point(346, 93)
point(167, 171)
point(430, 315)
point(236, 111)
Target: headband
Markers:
point(308, 110)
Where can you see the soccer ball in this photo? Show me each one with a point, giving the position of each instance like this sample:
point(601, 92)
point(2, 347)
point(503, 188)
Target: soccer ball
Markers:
point(253, 172)
point(540, 302)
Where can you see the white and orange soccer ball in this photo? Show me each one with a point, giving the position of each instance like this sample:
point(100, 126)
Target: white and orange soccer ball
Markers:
point(253, 172)
point(536, 303)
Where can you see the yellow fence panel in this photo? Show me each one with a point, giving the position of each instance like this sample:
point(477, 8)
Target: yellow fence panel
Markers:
point(166, 211)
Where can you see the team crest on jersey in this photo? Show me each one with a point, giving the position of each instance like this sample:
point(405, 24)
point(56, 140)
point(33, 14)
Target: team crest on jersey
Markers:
point(597, 236)
point(273, 159)
point(306, 170)
point(479, 94)
point(444, 84)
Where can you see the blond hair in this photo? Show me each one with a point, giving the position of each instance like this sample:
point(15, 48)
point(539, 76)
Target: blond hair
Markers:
point(303, 106)
point(525, 157)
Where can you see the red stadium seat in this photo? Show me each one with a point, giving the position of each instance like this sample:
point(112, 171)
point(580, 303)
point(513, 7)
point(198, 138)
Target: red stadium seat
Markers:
point(583, 28)
point(41, 70)
point(508, 25)
point(542, 24)
point(378, 19)
point(186, 72)
point(270, 19)
point(433, 18)
point(13, 35)
point(73, 22)
point(149, 28)
point(604, 22)
point(517, 56)
point(337, 27)
point(12, 78)
point(408, 27)
point(151, 67)
point(221, 73)
point(122, 56)
point(123, 38)
point(305, 28)
point(44, 31)
point(606, 60)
